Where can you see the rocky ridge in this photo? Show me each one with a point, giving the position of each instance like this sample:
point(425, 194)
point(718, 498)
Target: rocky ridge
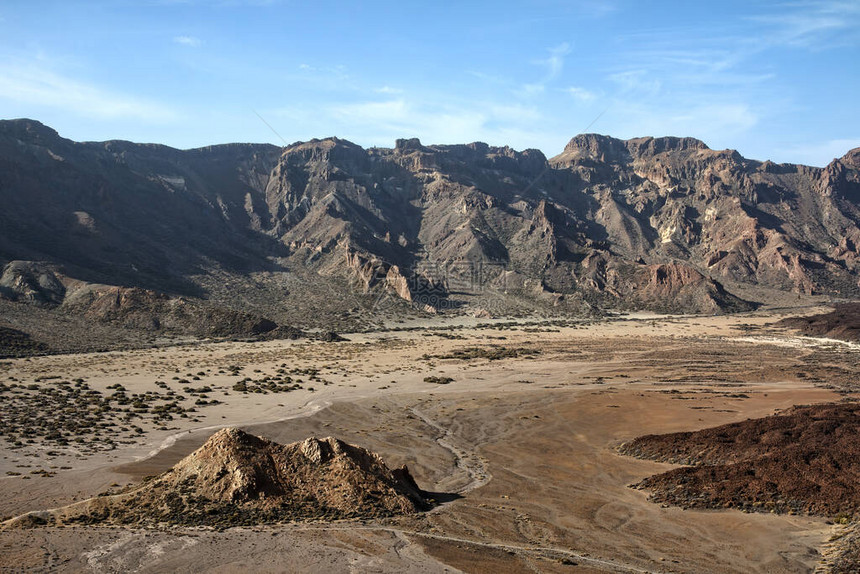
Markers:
point(321, 230)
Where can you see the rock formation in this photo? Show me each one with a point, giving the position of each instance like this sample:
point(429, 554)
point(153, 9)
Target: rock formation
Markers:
point(841, 323)
point(804, 459)
point(239, 479)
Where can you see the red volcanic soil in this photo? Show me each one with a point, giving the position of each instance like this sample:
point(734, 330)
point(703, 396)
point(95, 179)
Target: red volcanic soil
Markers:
point(841, 323)
point(805, 459)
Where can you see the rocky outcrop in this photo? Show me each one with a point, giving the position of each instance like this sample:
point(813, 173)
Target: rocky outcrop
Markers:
point(680, 288)
point(135, 308)
point(129, 307)
point(804, 459)
point(32, 282)
point(843, 323)
point(237, 478)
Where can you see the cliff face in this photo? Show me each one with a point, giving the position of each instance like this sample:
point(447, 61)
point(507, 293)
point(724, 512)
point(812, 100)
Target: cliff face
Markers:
point(660, 223)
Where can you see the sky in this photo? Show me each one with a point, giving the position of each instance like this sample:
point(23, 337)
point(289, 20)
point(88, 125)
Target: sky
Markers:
point(775, 80)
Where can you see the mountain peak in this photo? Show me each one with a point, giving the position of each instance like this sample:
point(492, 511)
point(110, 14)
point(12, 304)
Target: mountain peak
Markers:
point(331, 149)
point(649, 146)
point(852, 158)
point(596, 147)
point(232, 438)
point(321, 143)
point(603, 148)
point(406, 145)
point(28, 130)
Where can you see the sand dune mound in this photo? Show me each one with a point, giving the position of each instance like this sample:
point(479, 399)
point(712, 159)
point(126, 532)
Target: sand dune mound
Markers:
point(806, 459)
point(238, 479)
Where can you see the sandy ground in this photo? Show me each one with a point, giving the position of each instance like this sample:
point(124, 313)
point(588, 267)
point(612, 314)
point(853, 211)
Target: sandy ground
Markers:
point(520, 450)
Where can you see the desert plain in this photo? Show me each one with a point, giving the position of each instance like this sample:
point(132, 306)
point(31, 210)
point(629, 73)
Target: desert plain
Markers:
point(511, 426)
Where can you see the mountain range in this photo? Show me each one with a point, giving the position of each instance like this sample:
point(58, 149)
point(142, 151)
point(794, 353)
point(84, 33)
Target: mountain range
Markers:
point(244, 238)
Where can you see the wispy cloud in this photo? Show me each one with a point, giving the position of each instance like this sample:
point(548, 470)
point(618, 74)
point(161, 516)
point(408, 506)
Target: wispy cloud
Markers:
point(718, 124)
point(582, 94)
point(381, 121)
point(809, 24)
point(715, 81)
point(39, 86)
point(637, 82)
point(337, 71)
point(191, 41)
point(555, 62)
point(720, 54)
point(531, 90)
point(387, 112)
point(552, 65)
point(388, 90)
point(820, 153)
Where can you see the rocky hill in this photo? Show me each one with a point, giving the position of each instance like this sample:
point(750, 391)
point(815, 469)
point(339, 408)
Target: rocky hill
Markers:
point(776, 463)
point(239, 479)
point(841, 323)
point(325, 231)
point(802, 460)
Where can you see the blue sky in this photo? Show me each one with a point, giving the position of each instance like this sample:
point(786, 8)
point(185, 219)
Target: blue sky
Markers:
point(774, 80)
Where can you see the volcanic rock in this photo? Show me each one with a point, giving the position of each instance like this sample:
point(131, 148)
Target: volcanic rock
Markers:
point(805, 459)
point(841, 323)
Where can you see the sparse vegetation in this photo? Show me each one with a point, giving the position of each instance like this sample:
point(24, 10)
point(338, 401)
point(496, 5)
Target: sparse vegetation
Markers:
point(438, 380)
point(77, 418)
point(493, 353)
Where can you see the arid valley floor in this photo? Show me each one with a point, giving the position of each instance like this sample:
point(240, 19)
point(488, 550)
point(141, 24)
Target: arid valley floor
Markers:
point(514, 425)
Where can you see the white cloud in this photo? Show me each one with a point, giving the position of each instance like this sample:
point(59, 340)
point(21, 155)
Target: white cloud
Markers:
point(39, 86)
point(191, 41)
point(716, 81)
point(581, 94)
point(489, 78)
point(553, 64)
point(338, 72)
point(531, 90)
point(388, 90)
